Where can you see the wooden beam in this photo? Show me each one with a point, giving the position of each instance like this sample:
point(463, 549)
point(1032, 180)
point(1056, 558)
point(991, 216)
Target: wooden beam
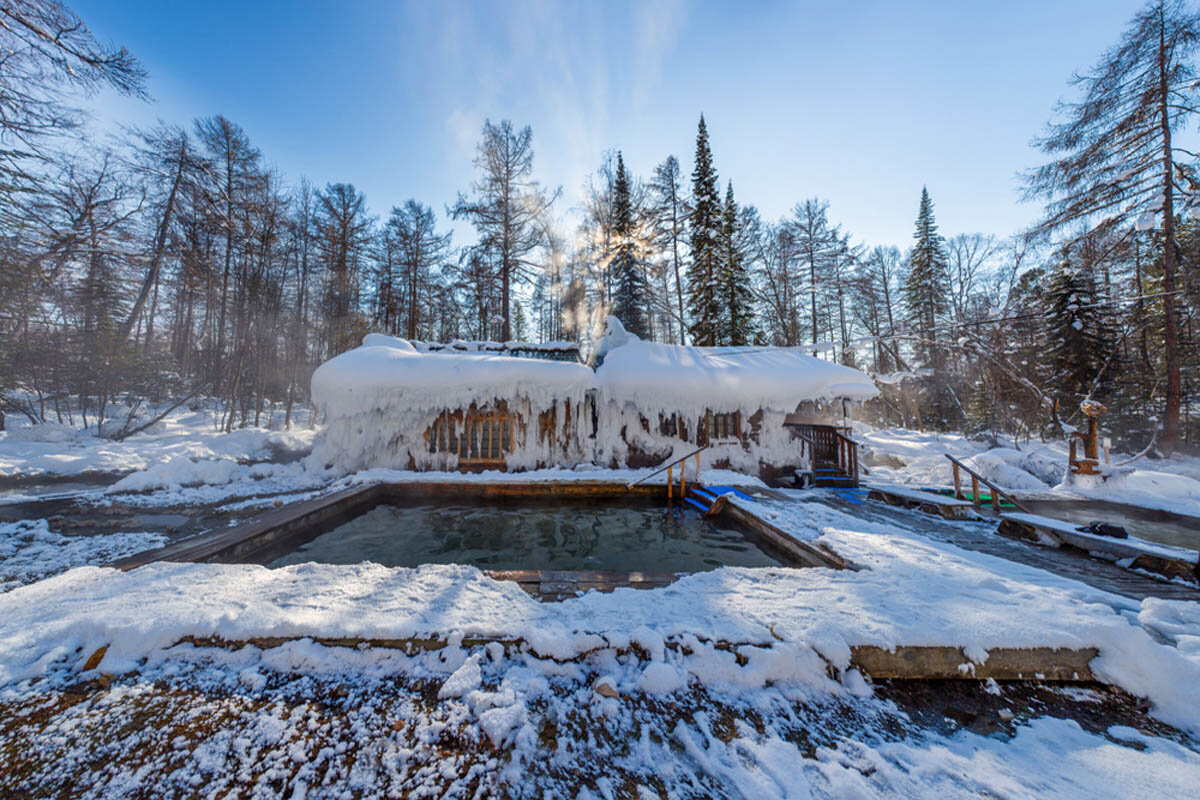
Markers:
point(905, 662)
point(1002, 664)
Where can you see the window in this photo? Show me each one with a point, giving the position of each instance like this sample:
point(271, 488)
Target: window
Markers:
point(473, 436)
point(672, 426)
point(724, 426)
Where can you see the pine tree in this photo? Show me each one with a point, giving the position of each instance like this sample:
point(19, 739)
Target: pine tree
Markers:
point(737, 301)
point(925, 289)
point(703, 302)
point(629, 300)
point(980, 413)
point(520, 328)
point(1079, 335)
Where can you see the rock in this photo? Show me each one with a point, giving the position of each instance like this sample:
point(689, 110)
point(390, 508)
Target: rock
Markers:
point(605, 687)
point(874, 459)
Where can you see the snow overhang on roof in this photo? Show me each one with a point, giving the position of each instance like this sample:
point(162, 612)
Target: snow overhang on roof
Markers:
point(723, 379)
point(386, 372)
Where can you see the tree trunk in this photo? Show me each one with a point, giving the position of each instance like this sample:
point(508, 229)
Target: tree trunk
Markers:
point(1170, 330)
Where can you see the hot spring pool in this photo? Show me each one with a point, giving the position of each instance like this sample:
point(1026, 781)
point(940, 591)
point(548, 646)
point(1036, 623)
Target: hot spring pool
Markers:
point(545, 536)
point(1145, 523)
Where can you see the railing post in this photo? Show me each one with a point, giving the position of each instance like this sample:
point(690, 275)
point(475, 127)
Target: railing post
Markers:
point(670, 483)
point(682, 480)
point(957, 481)
point(974, 490)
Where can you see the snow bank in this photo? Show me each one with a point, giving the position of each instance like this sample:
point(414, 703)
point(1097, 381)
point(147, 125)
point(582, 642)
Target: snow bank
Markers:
point(1166, 491)
point(30, 551)
point(180, 471)
point(791, 622)
point(52, 449)
point(52, 432)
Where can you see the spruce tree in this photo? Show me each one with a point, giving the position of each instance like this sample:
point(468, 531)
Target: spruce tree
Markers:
point(629, 299)
point(737, 302)
point(703, 302)
point(925, 289)
point(980, 414)
point(1079, 335)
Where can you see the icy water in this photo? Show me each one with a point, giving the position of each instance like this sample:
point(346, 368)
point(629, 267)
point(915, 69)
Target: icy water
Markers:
point(548, 537)
point(1145, 523)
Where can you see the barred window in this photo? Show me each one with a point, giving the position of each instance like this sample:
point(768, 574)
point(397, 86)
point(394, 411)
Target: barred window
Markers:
point(724, 426)
point(473, 436)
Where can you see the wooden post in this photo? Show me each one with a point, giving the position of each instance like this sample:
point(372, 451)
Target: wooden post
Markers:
point(670, 483)
point(995, 499)
point(1091, 444)
point(957, 481)
point(682, 480)
point(974, 490)
point(697, 467)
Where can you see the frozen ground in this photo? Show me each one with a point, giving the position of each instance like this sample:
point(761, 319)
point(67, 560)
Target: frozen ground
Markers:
point(729, 683)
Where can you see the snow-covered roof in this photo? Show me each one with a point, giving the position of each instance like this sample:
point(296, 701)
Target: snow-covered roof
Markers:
point(386, 372)
point(722, 379)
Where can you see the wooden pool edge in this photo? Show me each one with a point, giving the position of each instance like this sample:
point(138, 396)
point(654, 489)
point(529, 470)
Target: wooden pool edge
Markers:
point(297, 523)
point(903, 662)
point(930, 662)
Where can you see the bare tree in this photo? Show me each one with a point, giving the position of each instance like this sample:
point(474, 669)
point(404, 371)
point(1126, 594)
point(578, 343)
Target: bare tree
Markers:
point(507, 205)
point(1115, 157)
point(967, 257)
point(411, 230)
point(668, 208)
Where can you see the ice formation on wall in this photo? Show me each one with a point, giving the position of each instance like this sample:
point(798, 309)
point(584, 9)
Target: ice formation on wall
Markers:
point(380, 399)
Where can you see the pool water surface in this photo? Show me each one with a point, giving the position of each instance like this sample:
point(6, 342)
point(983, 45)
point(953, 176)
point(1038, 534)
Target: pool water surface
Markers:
point(589, 536)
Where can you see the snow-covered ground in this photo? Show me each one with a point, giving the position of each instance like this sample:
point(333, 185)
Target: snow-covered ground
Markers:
point(52, 450)
point(757, 638)
point(912, 458)
point(696, 689)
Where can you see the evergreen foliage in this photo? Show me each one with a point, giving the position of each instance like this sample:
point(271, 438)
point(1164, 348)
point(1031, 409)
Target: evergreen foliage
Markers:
point(629, 299)
point(703, 299)
point(925, 289)
point(980, 414)
point(1079, 336)
point(736, 297)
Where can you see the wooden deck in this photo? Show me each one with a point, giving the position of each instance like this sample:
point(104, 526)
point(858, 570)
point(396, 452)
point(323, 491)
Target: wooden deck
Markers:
point(929, 502)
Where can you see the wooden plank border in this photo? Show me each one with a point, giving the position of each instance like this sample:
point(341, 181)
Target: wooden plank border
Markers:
point(915, 662)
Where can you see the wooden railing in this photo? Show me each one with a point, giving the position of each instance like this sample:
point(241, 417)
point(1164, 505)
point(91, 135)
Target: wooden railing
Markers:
point(977, 479)
point(808, 442)
point(830, 443)
point(668, 468)
point(847, 450)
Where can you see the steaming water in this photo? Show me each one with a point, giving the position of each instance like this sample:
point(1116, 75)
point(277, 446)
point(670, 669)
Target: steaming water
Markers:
point(575, 537)
point(1146, 523)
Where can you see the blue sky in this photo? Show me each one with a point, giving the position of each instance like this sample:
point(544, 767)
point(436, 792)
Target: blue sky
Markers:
point(857, 102)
